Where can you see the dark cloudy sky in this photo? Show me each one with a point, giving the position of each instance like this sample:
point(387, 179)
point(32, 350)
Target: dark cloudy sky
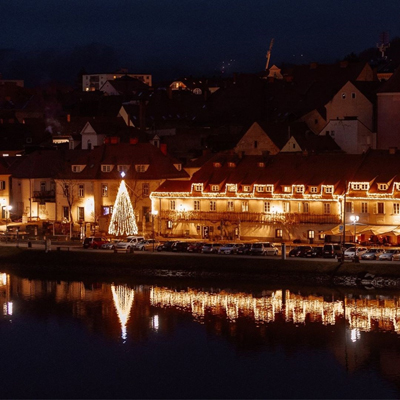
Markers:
point(183, 36)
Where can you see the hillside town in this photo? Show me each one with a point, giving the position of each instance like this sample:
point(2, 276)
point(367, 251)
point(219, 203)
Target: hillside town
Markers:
point(289, 154)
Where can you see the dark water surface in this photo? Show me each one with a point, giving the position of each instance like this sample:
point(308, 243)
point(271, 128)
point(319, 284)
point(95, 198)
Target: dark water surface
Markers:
point(100, 340)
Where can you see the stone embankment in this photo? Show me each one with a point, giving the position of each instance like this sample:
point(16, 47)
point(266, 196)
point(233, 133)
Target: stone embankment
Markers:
point(101, 264)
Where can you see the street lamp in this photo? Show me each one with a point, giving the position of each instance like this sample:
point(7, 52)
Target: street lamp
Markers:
point(7, 215)
point(153, 216)
point(354, 219)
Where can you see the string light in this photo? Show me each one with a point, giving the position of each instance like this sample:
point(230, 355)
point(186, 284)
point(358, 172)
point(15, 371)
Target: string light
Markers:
point(123, 299)
point(123, 220)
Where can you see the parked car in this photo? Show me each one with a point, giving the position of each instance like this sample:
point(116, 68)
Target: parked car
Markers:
point(263, 249)
point(149, 244)
point(317, 251)
point(300, 251)
point(244, 249)
point(350, 253)
point(94, 242)
point(371, 254)
point(166, 246)
point(229, 248)
point(389, 255)
point(129, 243)
point(179, 246)
point(109, 245)
point(332, 251)
point(195, 247)
point(211, 248)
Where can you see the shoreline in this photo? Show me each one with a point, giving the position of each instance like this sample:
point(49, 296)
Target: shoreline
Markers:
point(70, 264)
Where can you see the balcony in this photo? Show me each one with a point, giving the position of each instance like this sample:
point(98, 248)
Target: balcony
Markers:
point(262, 218)
point(44, 196)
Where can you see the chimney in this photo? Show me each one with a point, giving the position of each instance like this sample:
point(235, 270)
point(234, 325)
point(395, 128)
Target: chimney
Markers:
point(163, 148)
point(68, 117)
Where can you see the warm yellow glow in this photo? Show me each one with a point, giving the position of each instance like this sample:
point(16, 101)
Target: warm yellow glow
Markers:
point(123, 299)
point(3, 279)
point(89, 204)
point(123, 220)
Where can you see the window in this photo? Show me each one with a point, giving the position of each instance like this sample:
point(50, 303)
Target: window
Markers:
point(299, 189)
point(42, 186)
point(267, 207)
point(230, 206)
point(311, 234)
point(76, 168)
point(261, 164)
point(396, 208)
point(231, 165)
point(327, 208)
point(66, 213)
point(104, 190)
point(197, 188)
point(2, 185)
point(196, 205)
point(382, 186)
point(141, 168)
point(122, 168)
point(255, 144)
point(106, 168)
point(329, 189)
point(306, 207)
point(349, 207)
point(287, 189)
point(81, 191)
point(245, 206)
point(360, 186)
point(246, 188)
point(66, 190)
point(231, 188)
point(343, 96)
point(278, 233)
point(107, 210)
point(380, 208)
point(81, 213)
point(332, 134)
point(269, 188)
point(260, 189)
point(213, 205)
point(215, 188)
point(353, 95)
point(364, 208)
point(286, 207)
point(145, 189)
point(178, 167)
point(217, 165)
point(314, 189)
point(172, 205)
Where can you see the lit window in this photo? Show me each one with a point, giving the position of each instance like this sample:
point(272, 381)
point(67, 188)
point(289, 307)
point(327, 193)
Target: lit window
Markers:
point(396, 208)
point(286, 206)
point(328, 189)
point(261, 164)
point(245, 206)
point(327, 208)
point(231, 165)
point(306, 207)
point(215, 188)
point(287, 189)
point(172, 205)
point(300, 189)
point(269, 188)
point(260, 189)
point(364, 208)
point(267, 207)
point(246, 188)
point(81, 191)
point(314, 189)
point(145, 189)
point(141, 168)
point(230, 206)
point(311, 234)
point(343, 95)
point(231, 188)
point(382, 186)
point(76, 168)
point(197, 188)
point(106, 168)
point(278, 233)
point(380, 208)
point(213, 206)
point(104, 190)
point(217, 165)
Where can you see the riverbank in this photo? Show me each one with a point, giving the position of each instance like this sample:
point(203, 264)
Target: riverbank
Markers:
point(79, 264)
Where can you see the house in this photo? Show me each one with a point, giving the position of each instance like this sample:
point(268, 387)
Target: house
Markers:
point(308, 142)
point(285, 196)
point(93, 82)
point(88, 185)
point(124, 86)
point(5, 190)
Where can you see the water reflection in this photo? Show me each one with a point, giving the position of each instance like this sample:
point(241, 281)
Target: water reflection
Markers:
point(123, 300)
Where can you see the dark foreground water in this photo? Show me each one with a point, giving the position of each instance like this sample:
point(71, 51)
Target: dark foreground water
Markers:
point(100, 340)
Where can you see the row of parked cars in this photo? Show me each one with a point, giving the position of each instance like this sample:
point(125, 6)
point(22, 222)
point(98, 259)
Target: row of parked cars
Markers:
point(259, 248)
point(131, 242)
point(351, 251)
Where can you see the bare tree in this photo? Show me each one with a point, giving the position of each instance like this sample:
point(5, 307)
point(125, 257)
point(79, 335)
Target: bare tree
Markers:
point(69, 189)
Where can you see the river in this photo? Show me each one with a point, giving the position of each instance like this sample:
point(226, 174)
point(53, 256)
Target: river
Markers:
point(100, 339)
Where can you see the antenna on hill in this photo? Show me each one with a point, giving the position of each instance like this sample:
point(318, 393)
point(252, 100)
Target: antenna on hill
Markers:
point(269, 54)
point(384, 43)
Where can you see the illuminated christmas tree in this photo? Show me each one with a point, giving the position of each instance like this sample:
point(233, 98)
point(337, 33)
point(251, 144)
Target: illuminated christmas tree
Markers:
point(123, 220)
point(123, 299)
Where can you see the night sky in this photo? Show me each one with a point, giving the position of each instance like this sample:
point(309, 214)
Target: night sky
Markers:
point(175, 37)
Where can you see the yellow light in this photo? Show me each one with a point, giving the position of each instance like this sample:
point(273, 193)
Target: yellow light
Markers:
point(123, 299)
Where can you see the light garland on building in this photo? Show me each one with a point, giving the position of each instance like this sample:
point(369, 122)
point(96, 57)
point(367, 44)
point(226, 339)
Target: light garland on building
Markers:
point(123, 220)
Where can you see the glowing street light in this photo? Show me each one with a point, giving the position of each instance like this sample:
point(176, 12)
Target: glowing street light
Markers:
point(354, 219)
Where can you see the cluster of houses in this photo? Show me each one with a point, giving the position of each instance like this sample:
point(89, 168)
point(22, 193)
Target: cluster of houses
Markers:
point(290, 154)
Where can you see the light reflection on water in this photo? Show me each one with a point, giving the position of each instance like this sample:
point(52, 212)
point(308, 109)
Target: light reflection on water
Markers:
point(345, 328)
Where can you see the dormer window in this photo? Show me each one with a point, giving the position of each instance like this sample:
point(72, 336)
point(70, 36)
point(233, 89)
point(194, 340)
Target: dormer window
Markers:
point(360, 186)
point(141, 167)
point(121, 168)
point(314, 189)
point(197, 188)
point(178, 166)
point(382, 186)
point(215, 188)
point(329, 189)
point(246, 188)
point(231, 188)
point(260, 189)
point(76, 168)
point(217, 165)
point(287, 189)
point(269, 188)
point(106, 168)
point(299, 189)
